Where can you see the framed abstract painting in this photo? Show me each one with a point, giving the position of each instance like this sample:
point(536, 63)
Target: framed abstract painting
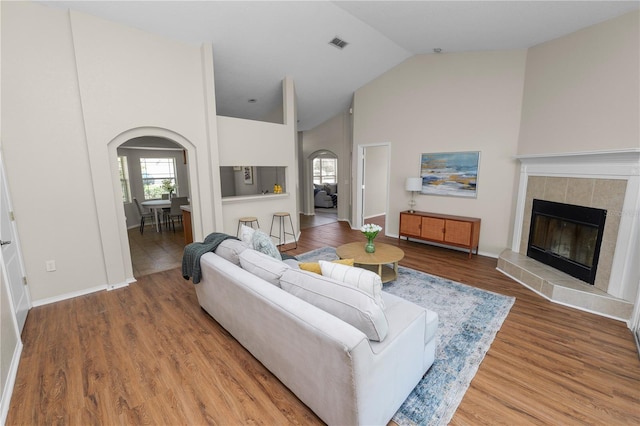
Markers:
point(450, 173)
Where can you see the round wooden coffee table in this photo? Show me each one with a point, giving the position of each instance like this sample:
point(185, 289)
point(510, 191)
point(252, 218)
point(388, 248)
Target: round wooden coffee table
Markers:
point(384, 255)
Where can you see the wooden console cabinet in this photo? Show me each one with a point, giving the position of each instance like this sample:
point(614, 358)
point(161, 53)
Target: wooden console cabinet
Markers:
point(458, 231)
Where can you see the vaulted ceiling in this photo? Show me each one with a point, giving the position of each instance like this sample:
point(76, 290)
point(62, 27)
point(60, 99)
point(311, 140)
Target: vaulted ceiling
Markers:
point(257, 43)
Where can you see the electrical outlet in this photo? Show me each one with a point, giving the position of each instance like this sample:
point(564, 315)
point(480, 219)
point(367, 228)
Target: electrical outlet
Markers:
point(50, 265)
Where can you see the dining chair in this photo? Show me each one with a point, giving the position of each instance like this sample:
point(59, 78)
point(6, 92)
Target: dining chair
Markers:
point(165, 211)
point(175, 212)
point(143, 215)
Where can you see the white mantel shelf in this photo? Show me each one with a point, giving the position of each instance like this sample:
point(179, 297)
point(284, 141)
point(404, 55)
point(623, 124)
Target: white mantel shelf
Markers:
point(582, 154)
point(605, 164)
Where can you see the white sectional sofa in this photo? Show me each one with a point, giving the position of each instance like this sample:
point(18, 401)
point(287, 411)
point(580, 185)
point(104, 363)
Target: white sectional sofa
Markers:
point(332, 366)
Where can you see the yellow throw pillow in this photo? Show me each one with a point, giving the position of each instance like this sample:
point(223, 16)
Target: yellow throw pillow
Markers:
point(348, 262)
point(315, 266)
point(311, 267)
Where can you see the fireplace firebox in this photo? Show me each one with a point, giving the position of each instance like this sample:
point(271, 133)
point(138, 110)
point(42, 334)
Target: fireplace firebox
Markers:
point(567, 237)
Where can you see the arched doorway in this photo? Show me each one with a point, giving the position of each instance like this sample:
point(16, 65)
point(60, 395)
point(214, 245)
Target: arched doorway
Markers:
point(323, 178)
point(153, 169)
point(108, 193)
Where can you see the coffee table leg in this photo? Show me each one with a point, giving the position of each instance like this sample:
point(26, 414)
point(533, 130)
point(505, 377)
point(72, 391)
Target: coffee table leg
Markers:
point(380, 270)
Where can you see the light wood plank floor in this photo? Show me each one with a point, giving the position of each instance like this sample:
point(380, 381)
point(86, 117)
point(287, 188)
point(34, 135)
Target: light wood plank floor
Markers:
point(147, 354)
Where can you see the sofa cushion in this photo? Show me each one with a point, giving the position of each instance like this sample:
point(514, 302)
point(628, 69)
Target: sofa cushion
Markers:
point(262, 242)
point(263, 266)
point(315, 266)
point(344, 301)
point(331, 188)
point(230, 250)
point(365, 280)
point(293, 263)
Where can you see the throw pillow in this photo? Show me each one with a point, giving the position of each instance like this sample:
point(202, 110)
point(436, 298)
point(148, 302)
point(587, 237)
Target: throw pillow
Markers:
point(341, 300)
point(246, 234)
point(262, 242)
point(315, 266)
point(263, 266)
point(311, 267)
point(365, 280)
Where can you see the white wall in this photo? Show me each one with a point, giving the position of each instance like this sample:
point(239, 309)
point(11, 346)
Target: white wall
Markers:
point(79, 87)
point(581, 91)
point(333, 135)
point(45, 151)
point(74, 84)
point(449, 102)
point(10, 346)
point(257, 143)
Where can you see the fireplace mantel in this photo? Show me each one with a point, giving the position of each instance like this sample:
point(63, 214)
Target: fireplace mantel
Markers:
point(617, 165)
point(624, 162)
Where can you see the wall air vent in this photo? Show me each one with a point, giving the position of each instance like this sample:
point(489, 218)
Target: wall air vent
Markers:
point(338, 42)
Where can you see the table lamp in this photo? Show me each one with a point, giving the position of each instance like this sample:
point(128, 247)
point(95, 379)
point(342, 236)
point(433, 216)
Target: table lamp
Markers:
point(413, 184)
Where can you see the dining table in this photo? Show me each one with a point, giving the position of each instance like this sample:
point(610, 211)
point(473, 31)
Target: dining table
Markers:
point(157, 206)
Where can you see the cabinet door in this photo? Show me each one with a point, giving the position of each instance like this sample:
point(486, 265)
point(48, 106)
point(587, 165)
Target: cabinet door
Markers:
point(458, 232)
point(432, 228)
point(409, 224)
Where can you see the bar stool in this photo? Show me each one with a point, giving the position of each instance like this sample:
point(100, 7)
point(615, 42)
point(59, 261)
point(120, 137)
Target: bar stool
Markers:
point(248, 221)
point(282, 230)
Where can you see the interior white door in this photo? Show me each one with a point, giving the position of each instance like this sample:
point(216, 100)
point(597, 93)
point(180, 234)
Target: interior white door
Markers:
point(11, 256)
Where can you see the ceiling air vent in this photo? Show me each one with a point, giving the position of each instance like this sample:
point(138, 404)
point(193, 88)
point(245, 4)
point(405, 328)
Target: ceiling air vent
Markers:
point(338, 42)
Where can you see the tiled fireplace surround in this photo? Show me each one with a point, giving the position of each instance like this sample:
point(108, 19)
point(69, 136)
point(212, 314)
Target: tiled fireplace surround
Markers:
point(606, 180)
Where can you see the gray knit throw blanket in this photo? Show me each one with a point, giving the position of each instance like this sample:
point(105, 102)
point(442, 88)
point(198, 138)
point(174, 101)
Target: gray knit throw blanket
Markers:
point(193, 252)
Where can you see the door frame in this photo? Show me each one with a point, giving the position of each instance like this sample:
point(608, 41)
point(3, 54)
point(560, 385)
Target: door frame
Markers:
point(194, 187)
point(360, 182)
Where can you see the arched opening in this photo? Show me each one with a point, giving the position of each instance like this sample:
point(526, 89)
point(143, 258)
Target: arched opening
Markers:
point(323, 178)
point(154, 171)
point(150, 144)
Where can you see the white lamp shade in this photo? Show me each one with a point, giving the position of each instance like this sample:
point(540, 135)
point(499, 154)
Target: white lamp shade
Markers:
point(413, 184)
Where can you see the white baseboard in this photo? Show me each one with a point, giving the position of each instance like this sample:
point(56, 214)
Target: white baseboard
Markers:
point(120, 285)
point(7, 392)
point(375, 215)
point(60, 298)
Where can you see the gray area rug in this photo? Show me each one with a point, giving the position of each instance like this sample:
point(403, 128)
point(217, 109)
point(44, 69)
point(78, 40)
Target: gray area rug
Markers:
point(469, 321)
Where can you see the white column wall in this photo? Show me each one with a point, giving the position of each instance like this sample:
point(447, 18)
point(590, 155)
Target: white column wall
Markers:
point(76, 84)
point(257, 143)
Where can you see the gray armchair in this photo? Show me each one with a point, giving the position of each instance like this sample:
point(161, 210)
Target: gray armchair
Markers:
point(322, 199)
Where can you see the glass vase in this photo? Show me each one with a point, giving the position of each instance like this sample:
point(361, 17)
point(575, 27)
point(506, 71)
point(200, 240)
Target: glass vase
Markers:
point(370, 247)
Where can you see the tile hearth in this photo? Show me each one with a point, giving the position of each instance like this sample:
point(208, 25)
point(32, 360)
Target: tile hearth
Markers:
point(560, 287)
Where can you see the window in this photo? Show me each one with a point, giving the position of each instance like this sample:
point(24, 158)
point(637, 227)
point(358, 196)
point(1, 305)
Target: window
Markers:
point(324, 170)
point(158, 176)
point(123, 170)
